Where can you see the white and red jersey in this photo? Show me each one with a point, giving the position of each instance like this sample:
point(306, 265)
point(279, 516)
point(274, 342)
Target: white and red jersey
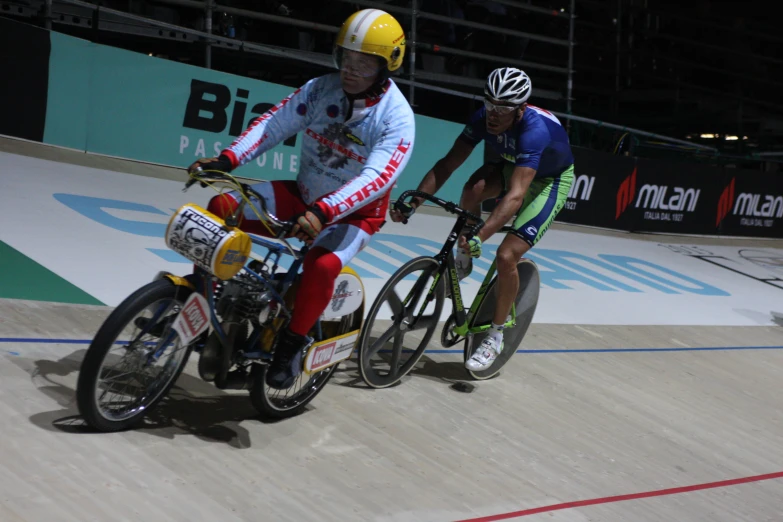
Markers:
point(351, 154)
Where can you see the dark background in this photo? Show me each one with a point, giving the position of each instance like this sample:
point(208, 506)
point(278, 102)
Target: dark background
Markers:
point(679, 69)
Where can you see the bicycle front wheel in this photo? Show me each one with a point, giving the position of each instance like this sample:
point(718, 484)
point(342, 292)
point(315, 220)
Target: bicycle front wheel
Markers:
point(383, 359)
point(134, 359)
point(525, 302)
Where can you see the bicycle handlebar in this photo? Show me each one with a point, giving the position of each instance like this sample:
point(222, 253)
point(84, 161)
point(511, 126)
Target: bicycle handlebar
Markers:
point(200, 176)
point(454, 209)
point(447, 205)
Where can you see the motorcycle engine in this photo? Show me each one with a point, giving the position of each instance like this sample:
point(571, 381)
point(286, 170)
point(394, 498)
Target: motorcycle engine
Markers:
point(243, 299)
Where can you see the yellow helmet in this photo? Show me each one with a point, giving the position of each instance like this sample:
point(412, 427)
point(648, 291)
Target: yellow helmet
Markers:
point(373, 31)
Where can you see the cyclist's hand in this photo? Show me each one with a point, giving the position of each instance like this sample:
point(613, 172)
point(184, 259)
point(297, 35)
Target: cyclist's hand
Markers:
point(221, 163)
point(308, 224)
point(401, 211)
point(471, 246)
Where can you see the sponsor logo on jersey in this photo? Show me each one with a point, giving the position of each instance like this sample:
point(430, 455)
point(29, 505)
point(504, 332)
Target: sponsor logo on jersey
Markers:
point(353, 137)
point(333, 149)
point(377, 184)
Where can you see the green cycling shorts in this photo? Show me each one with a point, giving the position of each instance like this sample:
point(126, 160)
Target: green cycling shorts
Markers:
point(543, 202)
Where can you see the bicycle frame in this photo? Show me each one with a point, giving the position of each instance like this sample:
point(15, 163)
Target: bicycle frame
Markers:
point(462, 320)
point(274, 250)
point(448, 269)
point(204, 287)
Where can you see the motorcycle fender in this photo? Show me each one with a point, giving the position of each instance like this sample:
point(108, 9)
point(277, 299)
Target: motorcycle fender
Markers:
point(177, 280)
point(349, 295)
point(332, 351)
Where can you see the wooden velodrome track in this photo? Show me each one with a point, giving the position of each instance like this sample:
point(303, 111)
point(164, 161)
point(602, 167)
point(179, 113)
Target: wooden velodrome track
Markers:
point(578, 428)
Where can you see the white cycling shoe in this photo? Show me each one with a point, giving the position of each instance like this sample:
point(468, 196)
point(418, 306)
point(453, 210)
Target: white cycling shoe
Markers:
point(485, 355)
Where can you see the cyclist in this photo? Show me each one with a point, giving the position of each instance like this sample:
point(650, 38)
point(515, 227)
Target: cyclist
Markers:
point(358, 137)
point(532, 178)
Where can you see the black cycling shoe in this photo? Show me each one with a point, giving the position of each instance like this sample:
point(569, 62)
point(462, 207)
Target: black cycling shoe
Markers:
point(286, 364)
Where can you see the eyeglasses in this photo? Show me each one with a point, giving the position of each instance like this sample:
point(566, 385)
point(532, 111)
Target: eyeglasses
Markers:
point(502, 109)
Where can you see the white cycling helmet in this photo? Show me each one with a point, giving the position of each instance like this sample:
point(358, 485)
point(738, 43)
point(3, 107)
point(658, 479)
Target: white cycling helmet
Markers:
point(509, 85)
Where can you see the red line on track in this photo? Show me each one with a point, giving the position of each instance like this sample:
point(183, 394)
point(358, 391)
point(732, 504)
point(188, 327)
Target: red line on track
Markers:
point(632, 496)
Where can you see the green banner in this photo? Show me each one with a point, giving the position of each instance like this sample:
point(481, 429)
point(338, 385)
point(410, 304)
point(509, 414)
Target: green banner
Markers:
point(68, 100)
point(126, 104)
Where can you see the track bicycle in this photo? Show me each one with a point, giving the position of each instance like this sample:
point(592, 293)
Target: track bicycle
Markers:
point(382, 367)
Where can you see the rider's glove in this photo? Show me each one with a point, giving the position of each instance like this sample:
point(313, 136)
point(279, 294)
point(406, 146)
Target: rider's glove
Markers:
point(405, 209)
point(308, 224)
point(474, 247)
point(222, 163)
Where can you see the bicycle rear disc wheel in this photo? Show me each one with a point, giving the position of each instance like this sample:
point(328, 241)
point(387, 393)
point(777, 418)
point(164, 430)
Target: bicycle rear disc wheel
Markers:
point(374, 354)
point(525, 302)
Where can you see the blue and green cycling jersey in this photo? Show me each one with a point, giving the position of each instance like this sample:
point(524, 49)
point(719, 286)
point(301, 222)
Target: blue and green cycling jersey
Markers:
point(538, 140)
